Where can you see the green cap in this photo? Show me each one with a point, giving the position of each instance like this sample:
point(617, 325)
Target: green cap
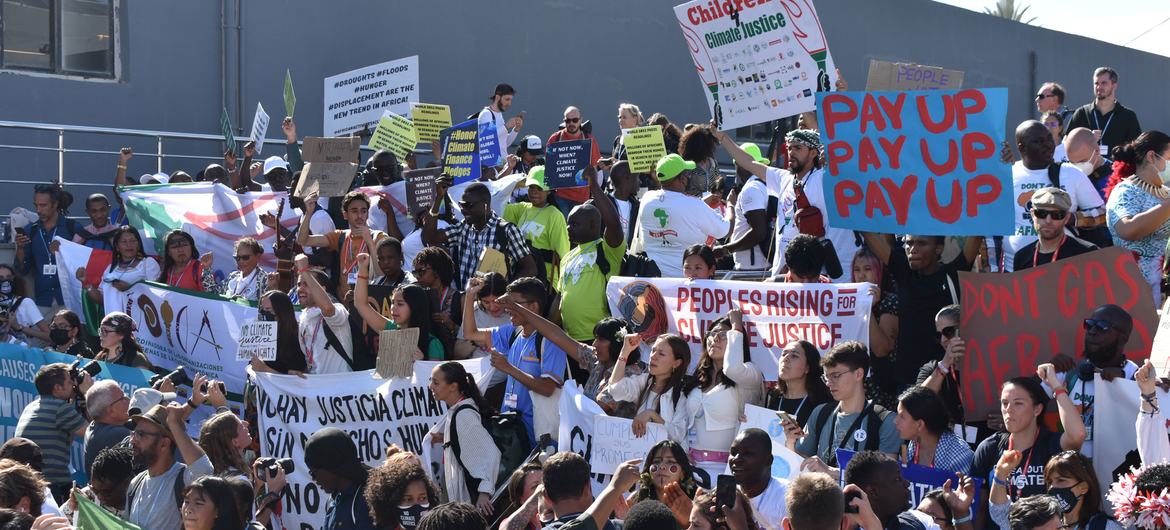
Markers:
point(670, 166)
point(754, 150)
point(536, 178)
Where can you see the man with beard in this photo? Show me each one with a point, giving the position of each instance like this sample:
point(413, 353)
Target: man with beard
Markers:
point(884, 500)
point(567, 198)
point(751, 465)
point(1114, 124)
point(798, 188)
point(1106, 332)
point(1050, 209)
point(506, 131)
point(155, 495)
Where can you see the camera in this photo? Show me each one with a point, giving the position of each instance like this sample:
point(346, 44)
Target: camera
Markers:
point(78, 373)
point(268, 466)
point(178, 377)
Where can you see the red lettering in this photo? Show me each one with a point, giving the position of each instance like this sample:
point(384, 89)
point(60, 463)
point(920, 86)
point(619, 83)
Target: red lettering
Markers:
point(999, 371)
point(871, 114)
point(969, 102)
point(681, 299)
point(976, 147)
point(839, 153)
point(893, 150)
point(846, 193)
point(1029, 278)
point(945, 168)
point(949, 213)
point(977, 198)
point(900, 195)
point(977, 386)
point(1096, 278)
point(837, 109)
point(1125, 267)
point(693, 15)
point(867, 157)
point(936, 127)
point(1027, 351)
point(875, 199)
point(893, 109)
point(1067, 295)
point(968, 300)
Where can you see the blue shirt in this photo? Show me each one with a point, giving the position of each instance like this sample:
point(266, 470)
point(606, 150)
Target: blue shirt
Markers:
point(37, 255)
point(522, 354)
point(348, 510)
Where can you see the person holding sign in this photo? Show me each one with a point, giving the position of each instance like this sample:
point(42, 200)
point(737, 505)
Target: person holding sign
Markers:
point(669, 220)
point(129, 266)
point(660, 392)
point(410, 307)
point(629, 117)
point(598, 248)
point(471, 459)
point(275, 306)
point(571, 129)
point(506, 131)
point(542, 224)
point(359, 238)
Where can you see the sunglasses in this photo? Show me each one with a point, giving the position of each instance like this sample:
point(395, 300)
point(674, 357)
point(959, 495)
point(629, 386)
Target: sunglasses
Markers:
point(572, 120)
point(1044, 96)
point(1101, 325)
point(1056, 215)
point(669, 468)
point(243, 258)
point(949, 332)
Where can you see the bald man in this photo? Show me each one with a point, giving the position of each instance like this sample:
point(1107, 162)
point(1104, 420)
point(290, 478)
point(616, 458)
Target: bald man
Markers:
point(1083, 151)
point(567, 198)
point(1034, 171)
point(598, 246)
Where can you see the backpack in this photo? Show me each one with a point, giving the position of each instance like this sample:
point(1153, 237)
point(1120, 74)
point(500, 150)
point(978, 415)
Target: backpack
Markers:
point(874, 415)
point(179, 486)
point(362, 357)
point(510, 436)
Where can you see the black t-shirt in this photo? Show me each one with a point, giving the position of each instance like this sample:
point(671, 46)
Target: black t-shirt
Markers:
point(1036, 457)
point(800, 408)
point(1071, 247)
point(949, 391)
point(919, 299)
point(1119, 127)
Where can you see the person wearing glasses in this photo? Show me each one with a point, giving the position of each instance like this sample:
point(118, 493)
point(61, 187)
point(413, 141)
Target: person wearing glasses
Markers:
point(67, 335)
point(181, 268)
point(248, 281)
point(665, 468)
point(1050, 216)
point(109, 411)
point(568, 198)
point(1050, 98)
point(942, 376)
point(116, 337)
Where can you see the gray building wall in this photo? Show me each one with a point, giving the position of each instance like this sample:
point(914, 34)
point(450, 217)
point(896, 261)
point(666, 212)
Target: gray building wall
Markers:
point(590, 54)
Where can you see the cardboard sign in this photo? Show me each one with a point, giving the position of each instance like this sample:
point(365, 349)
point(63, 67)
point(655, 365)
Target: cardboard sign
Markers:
point(420, 188)
point(355, 100)
point(492, 260)
point(924, 161)
point(257, 339)
point(259, 127)
point(330, 165)
point(396, 348)
point(395, 134)
point(460, 157)
point(614, 442)
point(1013, 322)
point(1160, 352)
point(290, 97)
point(644, 148)
point(922, 479)
point(429, 120)
point(488, 141)
point(565, 162)
point(884, 75)
point(225, 125)
point(758, 61)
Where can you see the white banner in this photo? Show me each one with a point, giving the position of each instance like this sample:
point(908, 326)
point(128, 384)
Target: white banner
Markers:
point(757, 61)
point(578, 416)
point(774, 313)
point(355, 99)
point(785, 463)
point(375, 412)
point(1115, 433)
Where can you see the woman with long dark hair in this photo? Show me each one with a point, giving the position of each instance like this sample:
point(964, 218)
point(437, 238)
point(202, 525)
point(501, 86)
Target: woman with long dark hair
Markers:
point(923, 420)
point(1069, 476)
point(698, 145)
point(223, 438)
point(466, 443)
point(522, 486)
point(276, 306)
point(410, 307)
point(1138, 211)
point(659, 393)
point(67, 335)
point(210, 504)
point(116, 336)
point(182, 266)
point(129, 265)
point(666, 463)
point(800, 388)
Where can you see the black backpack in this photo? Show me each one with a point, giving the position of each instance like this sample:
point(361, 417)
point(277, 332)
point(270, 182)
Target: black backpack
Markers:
point(874, 415)
point(179, 486)
point(361, 358)
point(510, 436)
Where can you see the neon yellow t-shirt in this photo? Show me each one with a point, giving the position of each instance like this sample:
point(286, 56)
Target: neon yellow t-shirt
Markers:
point(582, 286)
point(544, 228)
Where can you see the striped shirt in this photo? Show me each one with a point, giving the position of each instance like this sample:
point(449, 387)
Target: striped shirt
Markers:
point(50, 422)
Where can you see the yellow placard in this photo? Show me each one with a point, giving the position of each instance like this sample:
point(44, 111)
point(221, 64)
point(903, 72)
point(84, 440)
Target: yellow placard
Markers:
point(395, 134)
point(429, 120)
point(644, 148)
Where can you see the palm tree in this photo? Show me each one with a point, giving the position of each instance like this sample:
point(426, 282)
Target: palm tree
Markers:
point(1008, 9)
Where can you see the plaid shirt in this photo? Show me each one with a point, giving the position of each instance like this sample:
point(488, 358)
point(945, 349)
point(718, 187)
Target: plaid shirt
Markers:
point(465, 244)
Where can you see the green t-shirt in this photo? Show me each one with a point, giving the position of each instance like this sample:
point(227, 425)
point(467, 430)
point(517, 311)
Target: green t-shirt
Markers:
point(582, 286)
point(544, 228)
point(435, 351)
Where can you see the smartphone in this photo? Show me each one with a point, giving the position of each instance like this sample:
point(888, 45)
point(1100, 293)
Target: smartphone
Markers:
point(19, 231)
point(849, 496)
point(784, 415)
point(523, 113)
point(725, 491)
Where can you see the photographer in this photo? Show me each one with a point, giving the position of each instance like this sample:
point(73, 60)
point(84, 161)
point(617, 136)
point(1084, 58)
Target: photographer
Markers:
point(51, 421)
point(270, 479)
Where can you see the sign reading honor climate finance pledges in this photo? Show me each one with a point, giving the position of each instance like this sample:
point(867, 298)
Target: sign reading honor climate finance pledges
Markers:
point(926, 162)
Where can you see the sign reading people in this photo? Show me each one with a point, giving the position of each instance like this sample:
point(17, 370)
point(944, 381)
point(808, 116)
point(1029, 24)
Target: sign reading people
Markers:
point(1013, 322)
point(355, 100)
point(774, 313)
point(758, 61)
point(565, 163)
point(884, 75)
point(925, 162)
point(460, 157)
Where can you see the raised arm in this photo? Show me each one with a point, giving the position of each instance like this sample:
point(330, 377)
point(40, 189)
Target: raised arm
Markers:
point(543, 326)
point(971, 248)
point(1070, 417)
point(631, 343)
point(741, 157)
point(120, 176)
point(176, 422)
point(431, 234)
point(243, 181)
point(318, 296)
point(624, 477)
point(361, 296)
point(471, 331)
point(879, 245)
point(291, 148)
point(609, 217)
point(304, 238)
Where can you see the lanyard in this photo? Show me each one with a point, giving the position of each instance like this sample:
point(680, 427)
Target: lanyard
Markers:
point(798, 406)
point(312, 343)
point(1027, 463)
point(918, 452)
point(1055, 253)
point(351, 255)
point(1097, 123)
point(45, 240)
point(171, 276)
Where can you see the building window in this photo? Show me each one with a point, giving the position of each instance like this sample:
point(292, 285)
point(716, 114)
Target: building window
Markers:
point(68, 37)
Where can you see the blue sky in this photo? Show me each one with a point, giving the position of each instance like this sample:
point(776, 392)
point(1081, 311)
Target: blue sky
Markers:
point(1118, 24)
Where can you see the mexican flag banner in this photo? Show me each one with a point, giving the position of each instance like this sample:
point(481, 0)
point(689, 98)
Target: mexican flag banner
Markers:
point(212, 213)
point(72, 257)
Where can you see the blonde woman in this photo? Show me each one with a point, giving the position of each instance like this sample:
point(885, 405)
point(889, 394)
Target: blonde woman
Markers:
point(629, 117)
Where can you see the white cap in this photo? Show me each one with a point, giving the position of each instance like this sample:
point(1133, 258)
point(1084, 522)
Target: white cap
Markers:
point(144, 398)
point(274, 162)
point(160, 178)
point(533, 144)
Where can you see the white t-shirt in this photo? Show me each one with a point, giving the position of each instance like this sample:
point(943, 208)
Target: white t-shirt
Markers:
point(1059, 154)
point(770, 507)
point(322, 359)
point(27, 313)
point(145, 269)
point(781, 184)
point(506, 137)
point(320, 223)
point(623, 210)
point(412, 244)
point(669, 222)
point(1025, 182)
point(1084, 396)
point(753, 196)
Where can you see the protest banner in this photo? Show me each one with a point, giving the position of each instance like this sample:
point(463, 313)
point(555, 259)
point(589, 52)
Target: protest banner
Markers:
point(922, 161)
point(355, 100)
point(395, 195)
point(785, 462)
point(922, 479)
point(229, 137)
point(330, 165)
point(429, 120)
point(884, 75)
point(1160, 349)
point(578, 413)
point(1114, 435)
point(564, 163)
point(644, 147)
point(395, 134)
point(259, 127)
point(488, 140)
point(460, 157)
point(774, 314)
point(290, 97)
point(374, 412)
point(214, 214)
point(420, 188)
point(1013, 322)
point(257, 339)
point(18, 370)
point(759, 61)
point(614, 442)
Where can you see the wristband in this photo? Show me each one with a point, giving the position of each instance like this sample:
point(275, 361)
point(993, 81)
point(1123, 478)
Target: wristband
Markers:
point(1059, 391)
point(942, 368)
point(360, 277)
point(120, 166)
point(1000, 481)
point(961, 520)
point(192, 404)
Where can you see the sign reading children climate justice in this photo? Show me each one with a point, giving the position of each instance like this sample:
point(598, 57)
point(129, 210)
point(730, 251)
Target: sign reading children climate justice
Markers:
point(925, 159)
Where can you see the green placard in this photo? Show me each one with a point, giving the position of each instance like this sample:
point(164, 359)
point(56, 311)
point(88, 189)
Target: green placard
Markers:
point(644, 147)
point(394, 133)
point(229, 139)
point(290, 97)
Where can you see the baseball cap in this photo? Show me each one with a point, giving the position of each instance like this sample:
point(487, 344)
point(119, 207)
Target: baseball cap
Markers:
point(533, 145)
point(274, 162)
point(536, 178)
point(670, 166)
point(156, 415)
point(146, 398)
point(1052, 198)
point(754, 150)
point(159, 178)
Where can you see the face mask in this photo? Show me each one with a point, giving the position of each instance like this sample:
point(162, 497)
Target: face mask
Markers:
point(1165, 173)
point(1086, 167)
point(410, 515)
point(6, 287)
point(267, 316)
point(58, 336)
point(1065, 497)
